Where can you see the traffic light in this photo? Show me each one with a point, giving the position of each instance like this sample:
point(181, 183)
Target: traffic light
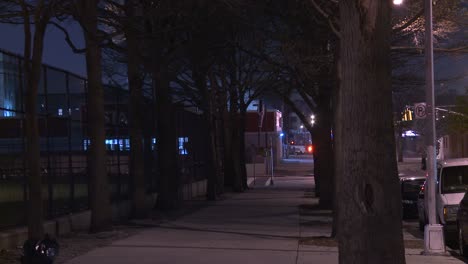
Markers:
point(407, 115)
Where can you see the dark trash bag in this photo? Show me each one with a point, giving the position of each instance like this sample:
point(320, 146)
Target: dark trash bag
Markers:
point(40, 252)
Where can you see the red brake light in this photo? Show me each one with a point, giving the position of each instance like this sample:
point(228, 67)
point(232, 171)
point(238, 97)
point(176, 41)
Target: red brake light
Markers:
point(310, 148)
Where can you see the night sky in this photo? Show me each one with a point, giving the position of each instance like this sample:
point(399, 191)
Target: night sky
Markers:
point(57, 53)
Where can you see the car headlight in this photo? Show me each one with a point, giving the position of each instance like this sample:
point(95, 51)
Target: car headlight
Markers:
point(450, 212)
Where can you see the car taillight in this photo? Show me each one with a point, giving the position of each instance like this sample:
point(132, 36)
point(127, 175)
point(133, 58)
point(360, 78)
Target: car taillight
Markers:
point(310, 149)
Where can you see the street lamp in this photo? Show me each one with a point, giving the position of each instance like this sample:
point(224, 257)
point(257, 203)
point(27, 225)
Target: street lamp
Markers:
point(397, 2)
point(433, 233)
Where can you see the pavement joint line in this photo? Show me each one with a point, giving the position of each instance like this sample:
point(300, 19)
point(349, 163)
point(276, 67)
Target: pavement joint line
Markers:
point(194, 247)
point(178, 227)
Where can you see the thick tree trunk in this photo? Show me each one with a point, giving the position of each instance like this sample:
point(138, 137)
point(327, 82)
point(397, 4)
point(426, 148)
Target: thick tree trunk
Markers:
point(368, 189)
point(101, 212)
point(137, 173)
point(228, 130)
point(236, 151)
point(324, 161)
point(336, 129)
point(242, 161)
point(316, 156)
point(211, 170)
point(166, 143)
point(32, 66)
point(219, 130)
point(207, 106)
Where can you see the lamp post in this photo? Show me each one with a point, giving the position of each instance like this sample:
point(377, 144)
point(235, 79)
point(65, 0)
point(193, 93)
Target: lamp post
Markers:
point(433, 233)
point(434, 242)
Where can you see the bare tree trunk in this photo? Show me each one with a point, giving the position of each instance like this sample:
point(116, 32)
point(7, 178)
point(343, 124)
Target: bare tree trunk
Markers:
point(228, 130)
point(235, 141)
point(368, 189)
point(200, 76)
point(166, 143)
point(242, 161)
point(219, 130)
point(32, 66)
point(101, 212)
point(324, 160)
point(137, 173)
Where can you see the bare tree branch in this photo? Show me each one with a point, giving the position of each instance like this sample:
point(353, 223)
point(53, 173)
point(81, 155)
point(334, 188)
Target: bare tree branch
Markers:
point(328, 17)
point(67, 38)
point(409, 22)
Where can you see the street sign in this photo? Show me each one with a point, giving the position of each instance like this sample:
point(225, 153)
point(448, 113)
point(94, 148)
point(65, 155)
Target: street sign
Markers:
point(420, 110)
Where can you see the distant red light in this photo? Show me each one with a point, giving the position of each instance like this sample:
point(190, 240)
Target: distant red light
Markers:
point(310, 149)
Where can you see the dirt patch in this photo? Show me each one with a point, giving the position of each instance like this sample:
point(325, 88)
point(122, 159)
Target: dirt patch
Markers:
point(79, 243)
point(414, 244)
point(317, 223)
point(314, 210)
point(314, 207)
point(319, 241)
point(76, 244)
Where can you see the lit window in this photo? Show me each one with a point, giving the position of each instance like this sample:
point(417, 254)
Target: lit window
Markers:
point(127, 144)
point(183, 142)
point(60, 112)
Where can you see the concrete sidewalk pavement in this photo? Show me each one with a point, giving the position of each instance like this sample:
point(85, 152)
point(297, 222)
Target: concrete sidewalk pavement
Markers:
point(262, 225)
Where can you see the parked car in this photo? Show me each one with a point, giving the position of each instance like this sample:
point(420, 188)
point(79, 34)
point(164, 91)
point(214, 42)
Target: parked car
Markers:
point(451, 185)
point(462, 226)
point(462, 216)
point(410, 188)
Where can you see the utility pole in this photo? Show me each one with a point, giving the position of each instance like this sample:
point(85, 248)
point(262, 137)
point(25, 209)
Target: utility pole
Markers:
point(433, 233)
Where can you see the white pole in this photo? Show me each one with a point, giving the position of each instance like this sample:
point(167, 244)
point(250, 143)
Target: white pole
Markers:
point(433, 232)
point(271, 159)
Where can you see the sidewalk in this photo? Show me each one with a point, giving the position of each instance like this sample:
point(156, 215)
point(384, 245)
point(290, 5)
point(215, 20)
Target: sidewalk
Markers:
point(274, 224)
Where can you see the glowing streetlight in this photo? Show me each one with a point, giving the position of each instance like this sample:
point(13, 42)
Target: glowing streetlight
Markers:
point(397, 2)
point(312, 119)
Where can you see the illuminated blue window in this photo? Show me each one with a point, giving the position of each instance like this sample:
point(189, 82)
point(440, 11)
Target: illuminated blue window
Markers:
point(183, 141)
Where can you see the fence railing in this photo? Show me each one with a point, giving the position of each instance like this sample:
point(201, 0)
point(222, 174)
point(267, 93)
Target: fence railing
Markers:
point(64, 143)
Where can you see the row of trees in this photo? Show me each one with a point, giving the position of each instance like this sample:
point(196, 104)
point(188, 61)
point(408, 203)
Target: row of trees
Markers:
point(218, 56)
point(189, 59)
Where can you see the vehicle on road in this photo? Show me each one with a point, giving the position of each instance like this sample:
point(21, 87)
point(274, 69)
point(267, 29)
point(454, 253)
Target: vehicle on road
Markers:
point(462, 215)
point(410, 188)
point(451, 185)
point(301, 149)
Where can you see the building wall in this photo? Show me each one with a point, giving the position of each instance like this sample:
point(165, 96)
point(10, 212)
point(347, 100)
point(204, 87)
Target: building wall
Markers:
point(454, 146)
point(267, 139)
